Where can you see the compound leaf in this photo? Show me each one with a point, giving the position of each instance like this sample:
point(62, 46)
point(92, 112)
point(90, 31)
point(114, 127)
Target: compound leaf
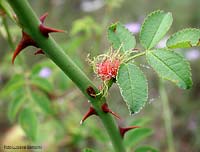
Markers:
point(14, 106)
point(29, 123)
point(154, 28)
point(119, 36)
point(43, 102)
point(171, 66)
point(133, 86)
point(135, 136)
point(42, 83)
point(184, 39)
point(16, 82)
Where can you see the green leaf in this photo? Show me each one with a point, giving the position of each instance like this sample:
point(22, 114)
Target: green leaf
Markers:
point(154, 28)
point(184, 39)
point(42, 83)
point(86, 25)
point(14, 107)
point(43, 102)
point(146, 149)
point(73, 44)
point(171, 66)
point(36, 70)
point(96, 133)
point(133, 86)
point(6, 7)
point(119, 36)
point(88, 150)
point(16, 82)
point(29, 123)
point(137, 135)
point(140, 121)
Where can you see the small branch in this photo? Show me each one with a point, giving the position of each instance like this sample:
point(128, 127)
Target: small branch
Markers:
point(135, 56)
point(167, 117)
point(30, 24)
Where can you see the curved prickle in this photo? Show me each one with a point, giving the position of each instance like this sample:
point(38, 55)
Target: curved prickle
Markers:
point(90, 112)
point(45, 30)
point(124, 130)
point(24, 42)
point(105, 109)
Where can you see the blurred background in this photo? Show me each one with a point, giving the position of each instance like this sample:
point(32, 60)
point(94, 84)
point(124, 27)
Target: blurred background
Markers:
point(37, 78)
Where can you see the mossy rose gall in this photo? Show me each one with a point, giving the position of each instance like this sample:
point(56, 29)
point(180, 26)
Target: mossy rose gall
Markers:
point(107, 69)
point(106, 65)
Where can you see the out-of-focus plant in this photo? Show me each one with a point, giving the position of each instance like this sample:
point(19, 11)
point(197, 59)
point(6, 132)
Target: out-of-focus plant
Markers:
point(118, 66)
point(114, 3)
point(86, 25)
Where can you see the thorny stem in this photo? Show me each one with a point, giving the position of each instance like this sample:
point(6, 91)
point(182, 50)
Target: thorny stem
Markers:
point(30, 24)
point(167, 117)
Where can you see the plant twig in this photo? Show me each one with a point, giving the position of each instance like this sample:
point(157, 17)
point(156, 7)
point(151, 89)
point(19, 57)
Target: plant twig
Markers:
point(135, 56)
point(30, 24)
point(167, 117)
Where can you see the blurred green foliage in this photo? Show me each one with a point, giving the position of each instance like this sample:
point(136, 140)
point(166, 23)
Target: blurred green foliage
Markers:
point(57, 103)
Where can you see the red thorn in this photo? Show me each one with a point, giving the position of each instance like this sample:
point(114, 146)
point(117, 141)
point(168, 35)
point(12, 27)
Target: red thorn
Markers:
point(90, 112)
point(43, 17)
point(44, 29)
point(124, 130)
point(24, 42)
point(40, 51)
point(105, 109)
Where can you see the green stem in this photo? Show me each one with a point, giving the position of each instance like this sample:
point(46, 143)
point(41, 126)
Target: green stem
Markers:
point(30, 24)
point(9, 37)
point(167, 116)
point(136, 55)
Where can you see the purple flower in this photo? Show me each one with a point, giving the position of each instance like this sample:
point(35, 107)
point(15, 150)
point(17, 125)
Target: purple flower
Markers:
point(133, 27)
point(192, 54)
point(45, 72)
